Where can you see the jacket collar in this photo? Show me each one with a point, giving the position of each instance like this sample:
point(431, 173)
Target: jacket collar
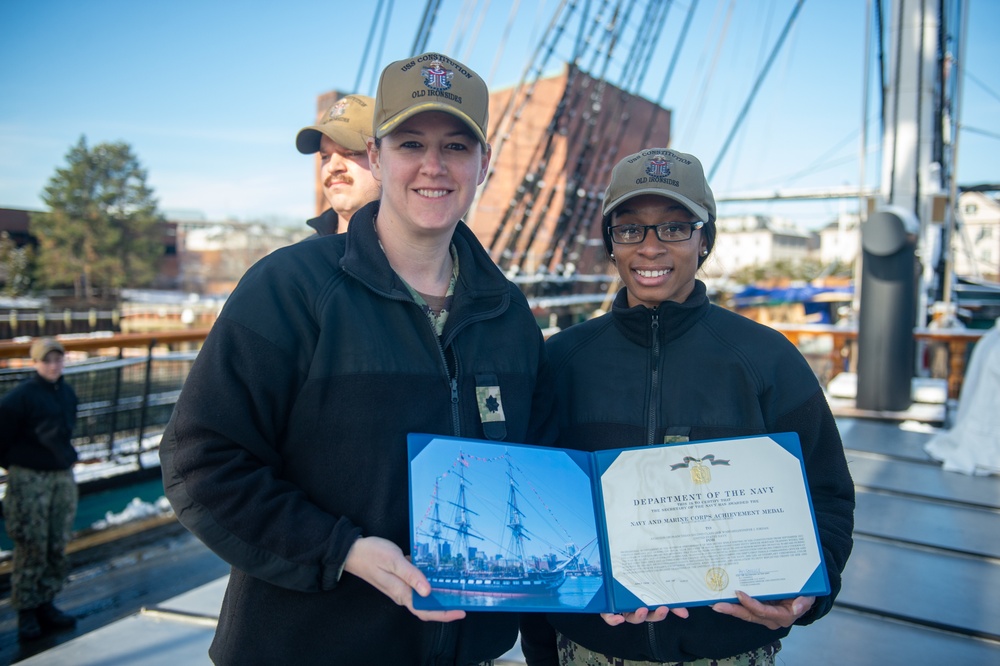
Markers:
point(42, 381)
point(326, 224)
point(481, 285)
point(673, 319)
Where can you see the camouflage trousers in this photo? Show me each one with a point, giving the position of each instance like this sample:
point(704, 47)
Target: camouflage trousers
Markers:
point(39, 509)
point(573, 654)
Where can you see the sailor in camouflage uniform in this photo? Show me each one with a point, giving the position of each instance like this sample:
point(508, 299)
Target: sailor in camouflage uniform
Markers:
point(36, 425)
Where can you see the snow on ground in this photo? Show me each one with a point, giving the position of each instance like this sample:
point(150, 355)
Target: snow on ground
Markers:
point(135, 510)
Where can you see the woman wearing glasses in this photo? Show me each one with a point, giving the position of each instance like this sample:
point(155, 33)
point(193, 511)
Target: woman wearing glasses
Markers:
point(666, 365)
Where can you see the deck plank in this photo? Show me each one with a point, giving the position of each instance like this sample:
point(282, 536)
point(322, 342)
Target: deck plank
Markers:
point(874, 471)
point(924, 586)
point(930, 523)
point(884, 438)
point(848, 637)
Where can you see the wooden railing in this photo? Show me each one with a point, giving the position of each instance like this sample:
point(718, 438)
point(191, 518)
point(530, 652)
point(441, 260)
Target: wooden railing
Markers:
point(91, 345)
point(956, 341)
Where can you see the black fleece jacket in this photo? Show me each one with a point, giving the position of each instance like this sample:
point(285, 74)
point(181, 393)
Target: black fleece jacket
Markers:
point(289, 441)
point(326, 223)
point(695, 370)
point(36, 425)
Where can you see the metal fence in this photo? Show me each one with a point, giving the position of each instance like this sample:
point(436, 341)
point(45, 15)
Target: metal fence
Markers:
point(124, 404)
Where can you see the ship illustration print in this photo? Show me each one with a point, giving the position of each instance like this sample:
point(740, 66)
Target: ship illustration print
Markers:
point(484, 527)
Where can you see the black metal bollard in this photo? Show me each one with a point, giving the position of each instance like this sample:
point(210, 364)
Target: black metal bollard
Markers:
point(888, 310)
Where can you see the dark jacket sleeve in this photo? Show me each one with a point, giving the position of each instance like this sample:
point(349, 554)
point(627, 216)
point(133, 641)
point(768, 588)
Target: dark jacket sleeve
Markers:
point(831, 489)
point(219, 455)
point(10, 424)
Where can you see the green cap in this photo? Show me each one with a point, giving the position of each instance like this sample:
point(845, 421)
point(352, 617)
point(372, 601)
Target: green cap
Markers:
point(431, 82)
point(663, 172)
point(348, 122)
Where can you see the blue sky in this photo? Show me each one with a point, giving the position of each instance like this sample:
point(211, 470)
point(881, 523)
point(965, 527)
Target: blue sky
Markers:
point(555, 496)
point(211, 94)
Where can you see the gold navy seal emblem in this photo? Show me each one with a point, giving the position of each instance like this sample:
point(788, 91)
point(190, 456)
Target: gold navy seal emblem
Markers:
point(717, 579)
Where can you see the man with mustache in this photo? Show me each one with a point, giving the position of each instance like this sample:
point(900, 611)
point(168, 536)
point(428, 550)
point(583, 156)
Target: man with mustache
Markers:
point(339, 138)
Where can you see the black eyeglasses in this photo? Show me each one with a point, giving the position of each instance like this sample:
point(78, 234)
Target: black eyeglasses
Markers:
point(668, 232)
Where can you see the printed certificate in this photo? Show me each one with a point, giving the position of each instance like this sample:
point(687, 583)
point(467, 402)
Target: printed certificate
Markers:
point(694, 522)
point(510, 527)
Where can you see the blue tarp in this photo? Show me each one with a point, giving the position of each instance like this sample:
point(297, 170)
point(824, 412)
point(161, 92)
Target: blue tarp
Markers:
point(751, 295)
point(815, 300)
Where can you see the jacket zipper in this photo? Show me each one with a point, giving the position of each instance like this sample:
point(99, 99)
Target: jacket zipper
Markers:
point(654, 400)
point(456, 423)
point(654, 396)
point(654, 382)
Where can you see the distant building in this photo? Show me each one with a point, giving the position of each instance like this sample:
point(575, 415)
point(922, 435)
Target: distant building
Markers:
point(839, 241)
point(213, 256)
point(16, 222)
point(976, 242)
point(756, 240)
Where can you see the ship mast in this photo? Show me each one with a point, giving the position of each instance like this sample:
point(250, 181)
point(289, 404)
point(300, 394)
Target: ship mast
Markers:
point(514, 515)
point(436, 529)
point(461, 520)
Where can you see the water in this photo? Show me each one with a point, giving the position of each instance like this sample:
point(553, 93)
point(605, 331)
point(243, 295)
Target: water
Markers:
point(94, 506)
point(573, 595)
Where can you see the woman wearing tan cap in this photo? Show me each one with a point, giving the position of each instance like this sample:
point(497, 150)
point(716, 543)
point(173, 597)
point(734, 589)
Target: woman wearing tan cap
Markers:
point(666, 365)
point(286, 453)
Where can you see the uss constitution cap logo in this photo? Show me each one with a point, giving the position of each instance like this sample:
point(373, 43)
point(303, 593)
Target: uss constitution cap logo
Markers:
point(431, 82)
point(664, 172)
point(348, 122)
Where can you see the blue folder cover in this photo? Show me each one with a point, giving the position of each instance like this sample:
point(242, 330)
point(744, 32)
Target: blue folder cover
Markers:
point(498, 526)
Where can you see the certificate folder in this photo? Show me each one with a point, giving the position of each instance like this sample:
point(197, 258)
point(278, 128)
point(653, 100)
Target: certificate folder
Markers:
point(512, 527)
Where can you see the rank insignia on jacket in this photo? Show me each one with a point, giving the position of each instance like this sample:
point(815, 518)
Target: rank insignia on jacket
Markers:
point(491, 407)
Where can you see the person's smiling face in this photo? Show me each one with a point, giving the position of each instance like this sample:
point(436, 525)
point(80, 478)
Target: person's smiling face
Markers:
point(429, 168)
point(655, 271)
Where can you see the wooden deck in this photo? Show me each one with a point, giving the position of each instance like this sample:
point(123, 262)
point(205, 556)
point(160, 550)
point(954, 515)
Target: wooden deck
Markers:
point(921, 586)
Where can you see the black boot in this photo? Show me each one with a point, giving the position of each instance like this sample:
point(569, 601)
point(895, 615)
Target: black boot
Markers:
point(51, 618)
point(28, 628)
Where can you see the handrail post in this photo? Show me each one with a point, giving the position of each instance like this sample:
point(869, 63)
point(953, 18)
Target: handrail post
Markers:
point(115, 405)
point(145, 397)
point(956, 366)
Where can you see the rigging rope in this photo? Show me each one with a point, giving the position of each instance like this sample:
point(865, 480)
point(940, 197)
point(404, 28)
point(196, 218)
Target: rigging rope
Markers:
point(670, 70)
point(426, 25)
point(502, 128)
point(475, 31)
point(534, 177)
point(371, 35)
point(376, 64)
point(753, 92)
point(699, 103)
point(503, 42)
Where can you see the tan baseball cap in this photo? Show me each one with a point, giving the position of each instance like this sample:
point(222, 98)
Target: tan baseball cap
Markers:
point(42, 346)
point(348, 122)
point(664, 172)
point(431, 82)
